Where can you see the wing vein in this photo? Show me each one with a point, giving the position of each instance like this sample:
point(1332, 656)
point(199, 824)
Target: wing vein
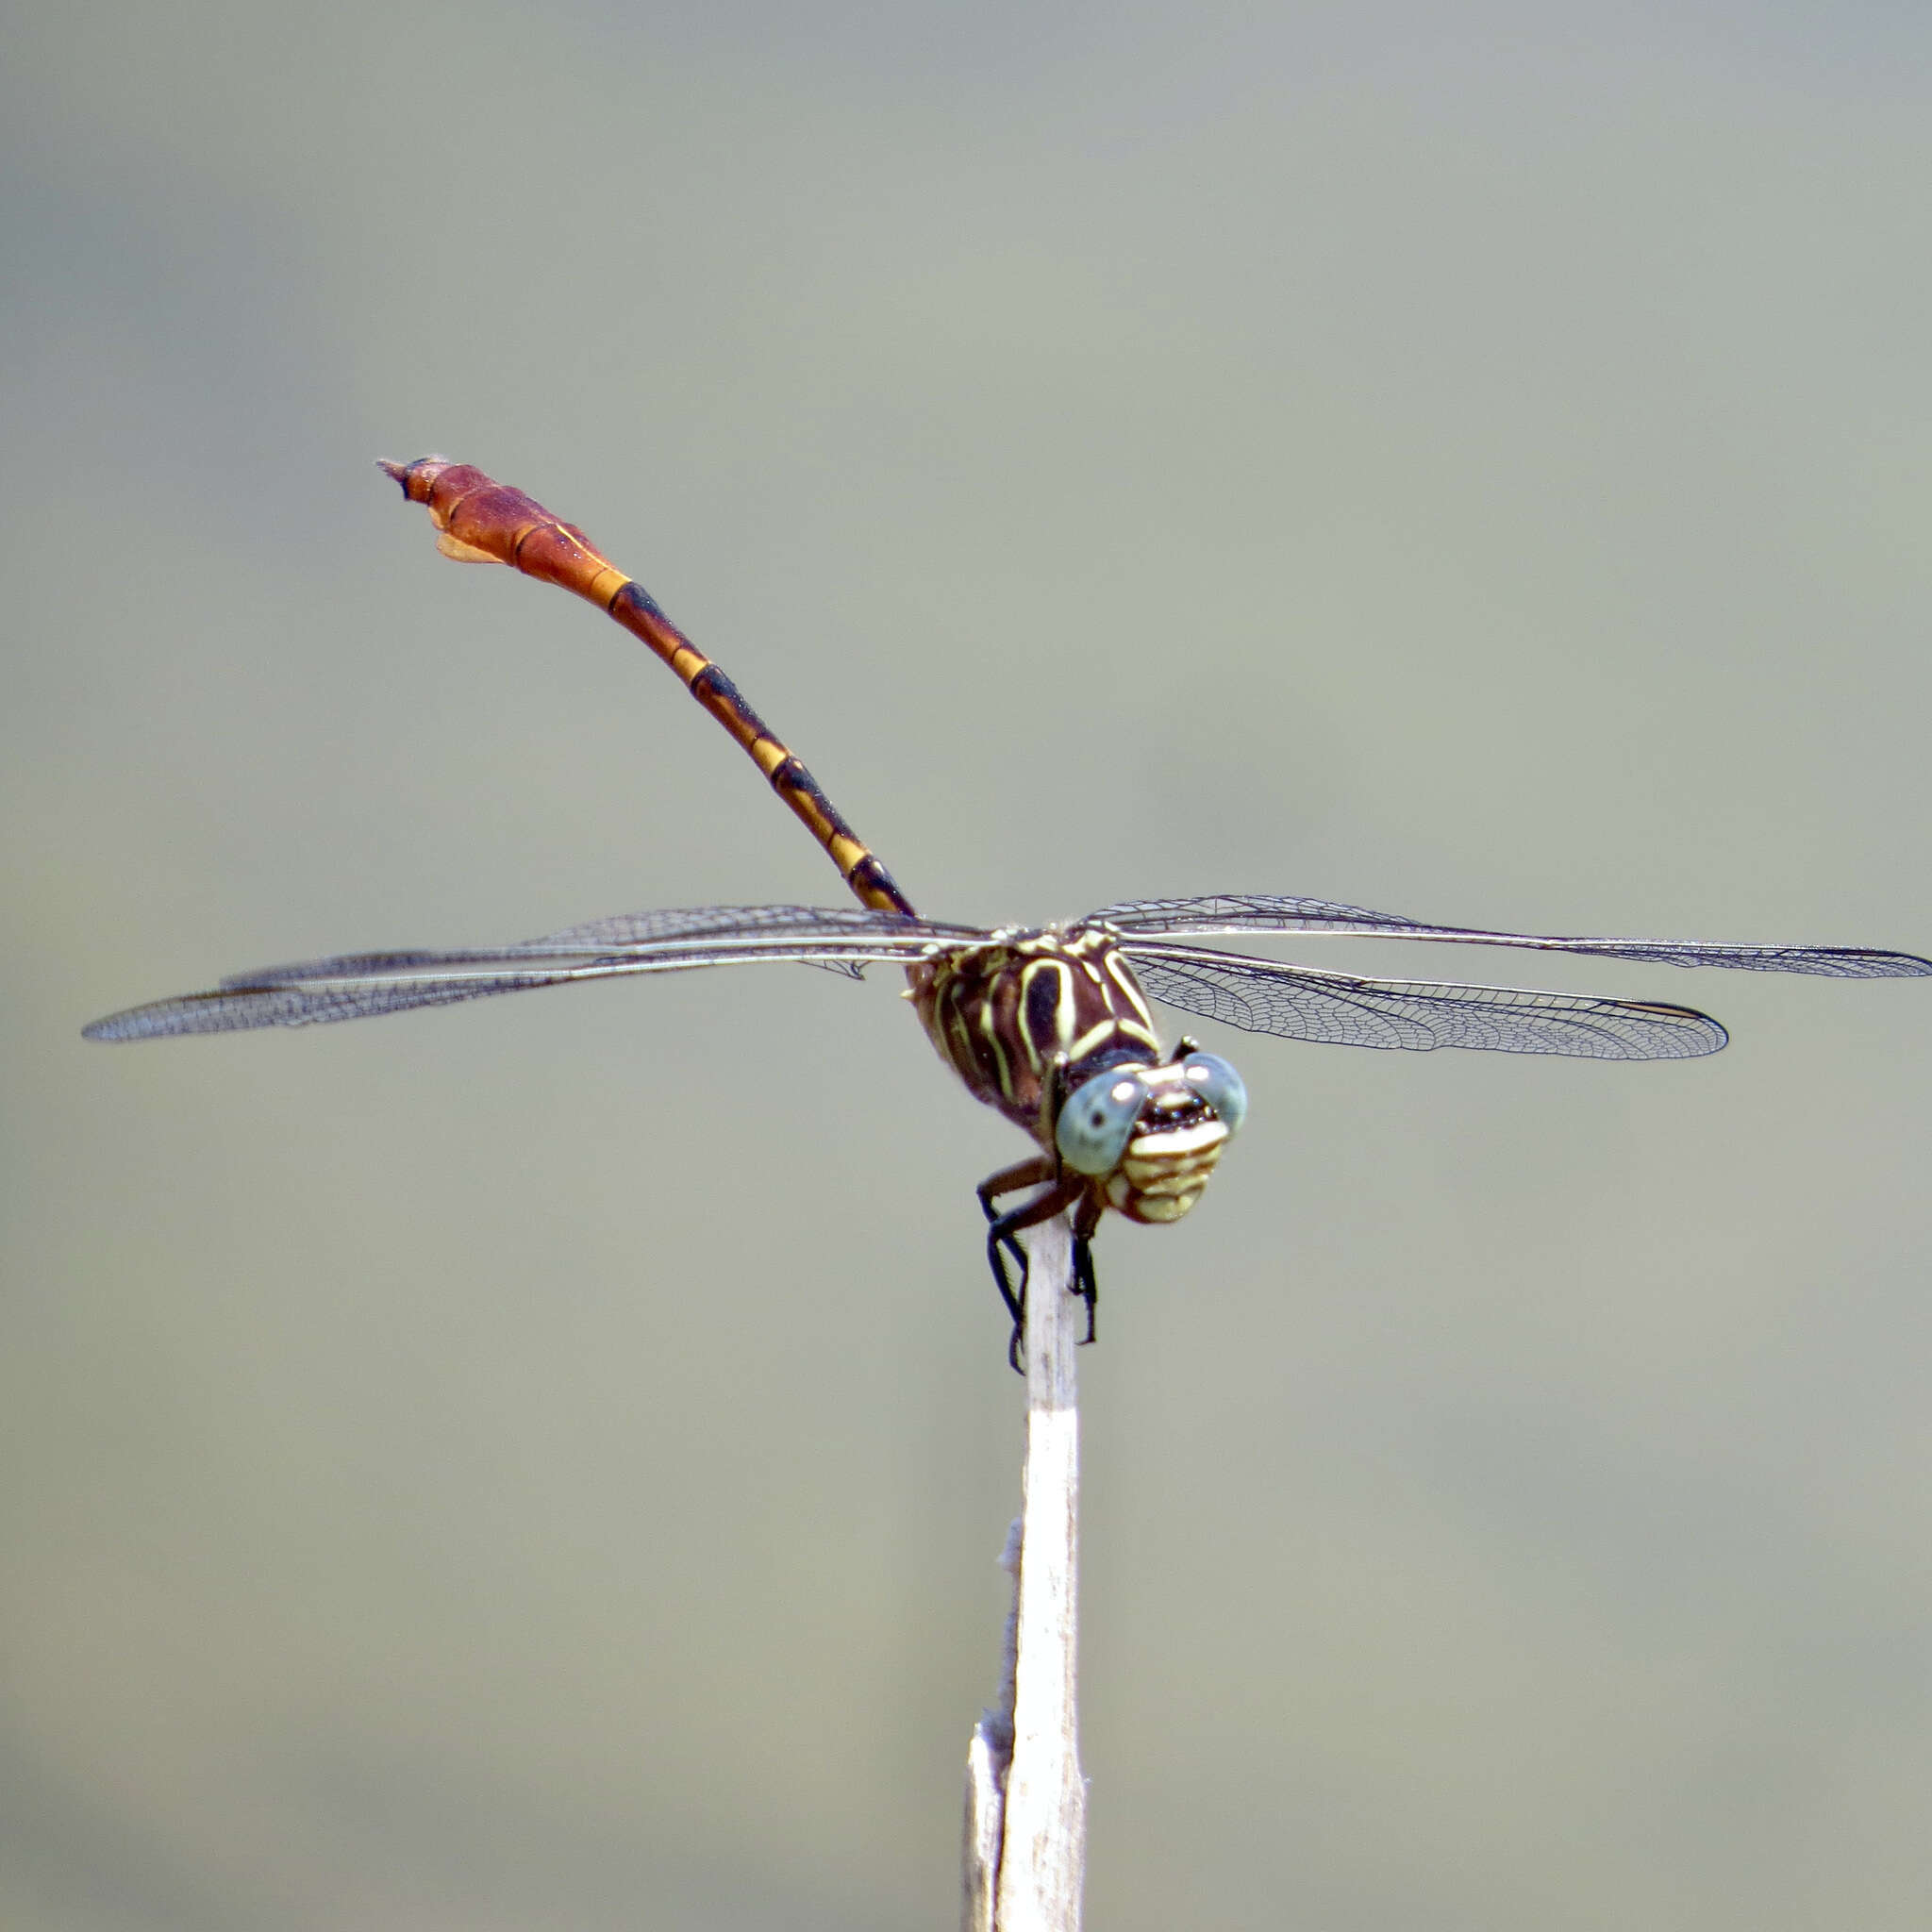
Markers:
point(1418, 1016)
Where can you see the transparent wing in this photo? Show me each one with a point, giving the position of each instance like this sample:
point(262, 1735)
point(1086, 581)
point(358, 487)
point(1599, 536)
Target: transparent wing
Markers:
point(1301, 1003)
point(1259, 913)
point(356, 985)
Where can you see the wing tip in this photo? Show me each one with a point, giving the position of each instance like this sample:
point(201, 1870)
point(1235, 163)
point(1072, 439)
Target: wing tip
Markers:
point(1717, 1033)
point(157, 1020)
point(1903, 966)
point(136, 1023)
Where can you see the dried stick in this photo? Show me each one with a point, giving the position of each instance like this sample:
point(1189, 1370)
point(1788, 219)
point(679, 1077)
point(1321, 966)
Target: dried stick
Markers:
point(987, 1757)
point(1036, 1815)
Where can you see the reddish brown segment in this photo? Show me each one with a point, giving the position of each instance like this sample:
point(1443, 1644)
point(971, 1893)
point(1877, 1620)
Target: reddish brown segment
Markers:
point(481, 521)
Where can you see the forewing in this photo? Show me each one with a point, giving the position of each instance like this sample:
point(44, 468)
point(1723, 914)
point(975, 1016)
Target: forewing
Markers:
point(1243, 912)
point(357, 985)
point(1415, 1016)
point(754, 926)
point(347, 996)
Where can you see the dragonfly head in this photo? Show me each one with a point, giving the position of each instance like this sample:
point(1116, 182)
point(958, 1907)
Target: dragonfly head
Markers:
point(1150, 1135)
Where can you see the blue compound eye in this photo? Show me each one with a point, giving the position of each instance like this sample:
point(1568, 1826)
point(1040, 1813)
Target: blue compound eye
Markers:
point(1095, 1124)
point(1219, 1085)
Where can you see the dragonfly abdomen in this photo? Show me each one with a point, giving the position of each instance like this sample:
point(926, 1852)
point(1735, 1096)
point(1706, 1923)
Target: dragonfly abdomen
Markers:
point(482, 521)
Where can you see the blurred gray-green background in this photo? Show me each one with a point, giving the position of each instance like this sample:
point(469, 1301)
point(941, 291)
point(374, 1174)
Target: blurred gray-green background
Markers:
point(541, 1463)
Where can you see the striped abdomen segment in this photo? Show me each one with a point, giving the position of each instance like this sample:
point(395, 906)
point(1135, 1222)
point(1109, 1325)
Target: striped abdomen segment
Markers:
point(1000, 1014)
point(481, 521)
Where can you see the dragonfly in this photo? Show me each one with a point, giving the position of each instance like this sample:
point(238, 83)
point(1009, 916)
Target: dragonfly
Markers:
point(1051, 1025)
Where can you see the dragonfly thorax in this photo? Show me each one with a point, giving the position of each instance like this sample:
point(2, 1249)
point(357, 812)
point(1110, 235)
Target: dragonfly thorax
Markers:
point(1003, 1015)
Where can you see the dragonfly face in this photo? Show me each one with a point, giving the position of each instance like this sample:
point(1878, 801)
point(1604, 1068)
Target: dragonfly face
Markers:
point(1151, 1136)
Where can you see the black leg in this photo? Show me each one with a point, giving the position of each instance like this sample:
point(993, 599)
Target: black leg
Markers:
point(1085, 1286)
point(1015, 1298)
point(1004, 1230)
point(1001, 1234)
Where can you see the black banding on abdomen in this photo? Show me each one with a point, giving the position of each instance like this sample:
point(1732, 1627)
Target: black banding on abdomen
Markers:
point(634, 593)
point(870, 877)
point(721, 697)
point(789, 775)
point(711, 682)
